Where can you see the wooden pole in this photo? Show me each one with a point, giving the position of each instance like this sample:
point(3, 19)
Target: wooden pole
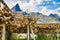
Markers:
point(28, 27)
point(28, 35)
point(3, 32)
point(32, 32)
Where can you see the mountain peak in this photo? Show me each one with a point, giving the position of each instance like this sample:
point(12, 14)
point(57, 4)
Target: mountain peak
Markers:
point(16, 8)
point(54, 15)
point(17, 4)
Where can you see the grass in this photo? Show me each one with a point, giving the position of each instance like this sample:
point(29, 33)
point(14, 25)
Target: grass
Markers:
point(22, 39)
point(39, 37)
point(42, 38)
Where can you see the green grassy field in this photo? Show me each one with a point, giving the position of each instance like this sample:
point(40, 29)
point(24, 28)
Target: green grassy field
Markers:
point(39, 37)
point(22, 39)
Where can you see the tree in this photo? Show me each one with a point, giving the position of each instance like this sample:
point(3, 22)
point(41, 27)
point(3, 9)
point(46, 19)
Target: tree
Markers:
point(4, 3)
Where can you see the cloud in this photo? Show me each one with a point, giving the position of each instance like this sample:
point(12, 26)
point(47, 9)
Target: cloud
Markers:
point(10, 3)
point(45, 11)
point(39, 1)
point(45, 6)
point(28, 6)
point(54, 2)
point(31, 6)
point(48, 0)
point(58, 11)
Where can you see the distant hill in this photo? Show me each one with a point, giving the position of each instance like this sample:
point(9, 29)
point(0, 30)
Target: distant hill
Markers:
point(55, 16)
point(42, 18)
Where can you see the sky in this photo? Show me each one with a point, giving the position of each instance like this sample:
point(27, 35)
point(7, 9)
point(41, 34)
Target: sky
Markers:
point(43, 6)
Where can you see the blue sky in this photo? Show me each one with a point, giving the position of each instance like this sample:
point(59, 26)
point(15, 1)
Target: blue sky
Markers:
point(43, 6)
